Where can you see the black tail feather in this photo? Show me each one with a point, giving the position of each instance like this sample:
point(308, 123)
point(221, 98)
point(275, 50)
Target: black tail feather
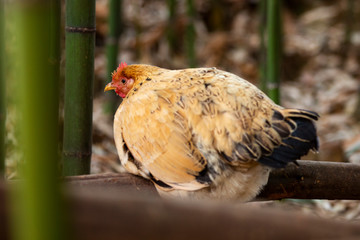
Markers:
point(298, 144)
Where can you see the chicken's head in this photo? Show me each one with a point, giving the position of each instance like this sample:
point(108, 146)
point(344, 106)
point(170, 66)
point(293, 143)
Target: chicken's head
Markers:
point(120, 83)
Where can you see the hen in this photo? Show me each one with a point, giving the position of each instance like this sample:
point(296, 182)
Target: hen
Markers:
point(203, 132)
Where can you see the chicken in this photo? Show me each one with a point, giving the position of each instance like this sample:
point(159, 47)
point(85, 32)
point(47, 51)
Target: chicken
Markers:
point(204, 133)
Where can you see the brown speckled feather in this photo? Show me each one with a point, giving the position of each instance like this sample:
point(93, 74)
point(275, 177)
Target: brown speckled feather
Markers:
point(206, 130)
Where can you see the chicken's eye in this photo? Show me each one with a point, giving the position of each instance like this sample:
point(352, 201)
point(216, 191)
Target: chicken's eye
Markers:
point(123, 81)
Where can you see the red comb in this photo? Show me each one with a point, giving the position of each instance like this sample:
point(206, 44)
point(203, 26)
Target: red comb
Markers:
point(118, 71)
point(121, 66)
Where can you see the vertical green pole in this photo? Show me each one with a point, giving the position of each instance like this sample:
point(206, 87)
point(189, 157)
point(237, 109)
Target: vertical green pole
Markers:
point(262, 30)
point(273, 49)
point(171, 36)
point(217, 15)
point(190, 34)
point(38, 206)
point(2, 92)
point(350, 19)
point(349, 22)
point(112, 48)
point(79, 77)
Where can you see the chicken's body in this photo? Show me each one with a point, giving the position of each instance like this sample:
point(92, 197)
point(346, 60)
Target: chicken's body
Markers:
point(206, 133)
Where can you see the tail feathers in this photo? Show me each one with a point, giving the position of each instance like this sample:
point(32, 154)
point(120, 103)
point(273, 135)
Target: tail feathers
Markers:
point(298, 132)
point(294, 113)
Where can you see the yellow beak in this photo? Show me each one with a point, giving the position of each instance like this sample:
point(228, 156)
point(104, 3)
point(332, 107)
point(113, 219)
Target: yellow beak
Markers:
point(109, 87)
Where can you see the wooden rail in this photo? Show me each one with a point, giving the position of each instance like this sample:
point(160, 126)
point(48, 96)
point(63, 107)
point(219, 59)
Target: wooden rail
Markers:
point(138, 217)
point(309, 180)
point(114, 215)
point(314, 180)
point(122, 206)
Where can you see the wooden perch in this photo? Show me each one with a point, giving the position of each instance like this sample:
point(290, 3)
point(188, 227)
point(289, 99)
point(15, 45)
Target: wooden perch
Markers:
point(118, 182)
point(114, 206)
point(129, 217)
point(113, 215)
point(314, 180)
point(309, 180)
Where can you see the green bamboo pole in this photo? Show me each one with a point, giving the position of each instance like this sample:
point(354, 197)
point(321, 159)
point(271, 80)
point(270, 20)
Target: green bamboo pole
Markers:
point(2, 92)
point(190, 34)
point(171, 33)
point(349, 28)
point(38, 206)
point(112, 49)
point(262, 30)
point(349, 22)
point(217, 15)
point(273, 49)
point(79, 76)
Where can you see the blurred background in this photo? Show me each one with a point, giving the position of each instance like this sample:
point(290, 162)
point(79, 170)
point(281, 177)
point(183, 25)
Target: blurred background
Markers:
point(319, 68)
